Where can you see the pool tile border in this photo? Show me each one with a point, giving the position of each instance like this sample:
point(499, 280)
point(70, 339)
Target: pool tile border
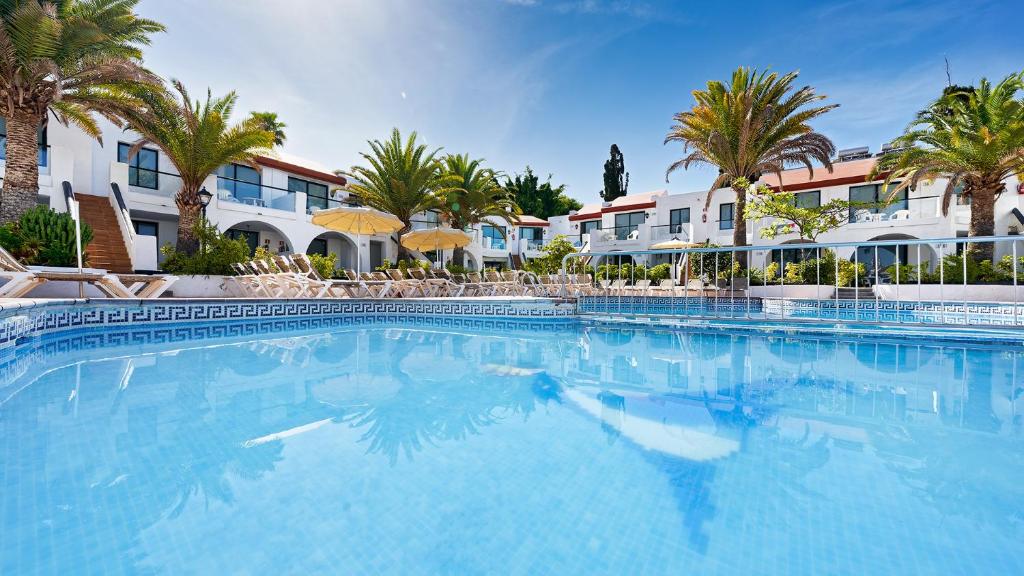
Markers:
point(29, 319)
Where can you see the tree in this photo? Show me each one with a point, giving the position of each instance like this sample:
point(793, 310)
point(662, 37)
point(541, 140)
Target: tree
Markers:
point(470, 194)
point(753, 125)
point(972, 136)
point(400, 178)
point(616, 179)
point(71, 58)
point(197, 138)
point(551, 262)
point(270, 123)
point(808, 222)
point(540, 200)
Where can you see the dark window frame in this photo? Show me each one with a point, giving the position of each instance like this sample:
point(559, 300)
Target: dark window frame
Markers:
point(501, 235)
point(296, 184)
point(155, 224)
point(730, 222)
point(134, 165)
point(878, 195)
point(232, 181)
point(676, 221)
point(816, 195)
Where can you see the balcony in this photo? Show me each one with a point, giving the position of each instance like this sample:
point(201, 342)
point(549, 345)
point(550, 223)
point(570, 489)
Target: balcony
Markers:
point(617, 235)
point(664, 232)
point(910, 211)
point(251, 194)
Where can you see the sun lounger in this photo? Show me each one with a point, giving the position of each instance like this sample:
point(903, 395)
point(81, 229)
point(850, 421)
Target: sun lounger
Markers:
point(22, 279)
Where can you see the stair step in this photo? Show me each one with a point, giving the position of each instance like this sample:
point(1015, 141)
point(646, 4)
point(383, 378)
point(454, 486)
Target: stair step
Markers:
point(107, 249)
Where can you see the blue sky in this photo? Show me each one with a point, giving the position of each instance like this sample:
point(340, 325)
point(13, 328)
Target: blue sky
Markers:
point(553, 83)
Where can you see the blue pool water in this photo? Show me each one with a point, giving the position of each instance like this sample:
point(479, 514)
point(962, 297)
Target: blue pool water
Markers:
point(532, 449)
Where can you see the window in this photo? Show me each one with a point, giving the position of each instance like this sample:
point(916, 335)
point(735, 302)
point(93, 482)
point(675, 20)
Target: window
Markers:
point(145, 228)
point(626, 224)
point(726, 215)
point(807, 199)
point(589, 226)
point(494, 237)
point(316, 194)
point(318, 246)
point(877, 194)
point(676, 219)
point(534, 236)
point(40, 138)
point(241, 182)
point(142, 168)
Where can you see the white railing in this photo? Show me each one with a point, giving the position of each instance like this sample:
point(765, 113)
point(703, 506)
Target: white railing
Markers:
point(904, 281)
point(124, 222)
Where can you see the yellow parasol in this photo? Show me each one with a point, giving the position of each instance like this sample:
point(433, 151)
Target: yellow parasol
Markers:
point(357, 220)
point(674, 244)
point(436, 239)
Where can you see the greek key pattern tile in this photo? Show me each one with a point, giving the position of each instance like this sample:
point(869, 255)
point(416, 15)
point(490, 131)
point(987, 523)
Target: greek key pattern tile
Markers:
point(29, 321)
point(881, 311)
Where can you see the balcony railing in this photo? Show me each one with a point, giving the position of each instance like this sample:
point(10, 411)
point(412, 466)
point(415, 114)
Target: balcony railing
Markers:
point(662, 232)
point(615, 234)
point(910, 209)
point(252, 194)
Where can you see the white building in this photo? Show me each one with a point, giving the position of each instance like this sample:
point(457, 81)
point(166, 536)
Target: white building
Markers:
point(638, 221)
point(272, 207)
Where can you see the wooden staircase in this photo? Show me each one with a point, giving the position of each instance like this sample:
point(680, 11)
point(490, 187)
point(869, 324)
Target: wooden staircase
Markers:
point(107, 249)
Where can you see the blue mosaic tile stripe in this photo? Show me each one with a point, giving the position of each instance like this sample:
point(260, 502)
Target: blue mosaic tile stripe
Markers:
point(867, 310)
point(22, 321)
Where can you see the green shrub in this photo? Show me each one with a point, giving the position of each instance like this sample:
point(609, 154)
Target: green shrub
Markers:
point(45, 237)
point(456, 268)
point(264, 254)
point(551, 262)
point(950, 270)
point(215, 256)
point(325, 266)
point(658, 273)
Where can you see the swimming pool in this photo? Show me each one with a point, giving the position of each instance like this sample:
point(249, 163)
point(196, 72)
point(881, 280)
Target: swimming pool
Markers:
point(351, 445)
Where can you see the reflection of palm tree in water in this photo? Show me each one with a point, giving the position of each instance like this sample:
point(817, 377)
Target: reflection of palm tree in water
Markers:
point(447, 407)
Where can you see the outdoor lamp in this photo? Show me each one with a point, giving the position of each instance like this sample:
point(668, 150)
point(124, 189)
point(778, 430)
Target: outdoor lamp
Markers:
point(205, 197)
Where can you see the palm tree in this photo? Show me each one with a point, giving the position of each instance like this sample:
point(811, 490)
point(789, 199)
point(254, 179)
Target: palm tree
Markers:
point(197, 138)
point(400, 179)
point(753, 125)
point(972, 136)
point(68, 57)
point(271, 123)
point(470, 195)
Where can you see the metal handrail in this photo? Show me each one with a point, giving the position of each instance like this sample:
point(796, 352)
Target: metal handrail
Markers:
point(731, 298)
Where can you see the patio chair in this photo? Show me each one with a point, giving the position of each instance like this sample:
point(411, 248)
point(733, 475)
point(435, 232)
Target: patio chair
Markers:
point(21, 279)
point(247, 283)
point(641, 287)
point(406, 287)
point(486, 288)
point(336, 288)
point(501, 287)
point(469, 288)
point(280, 285)
point(443, 284)
point(514, 284)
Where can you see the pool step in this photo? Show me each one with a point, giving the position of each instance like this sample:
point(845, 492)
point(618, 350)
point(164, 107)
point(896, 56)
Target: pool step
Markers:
point(855, 293)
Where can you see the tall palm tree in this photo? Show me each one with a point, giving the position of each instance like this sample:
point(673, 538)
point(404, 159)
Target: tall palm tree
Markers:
point(68, 57)
point(271, 123)
point(401, 178)
point(755, 124)
point(470, 195)
point(974, 137)
point(197, 138)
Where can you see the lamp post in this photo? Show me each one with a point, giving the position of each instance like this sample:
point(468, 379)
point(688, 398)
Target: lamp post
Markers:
point(204, 200)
